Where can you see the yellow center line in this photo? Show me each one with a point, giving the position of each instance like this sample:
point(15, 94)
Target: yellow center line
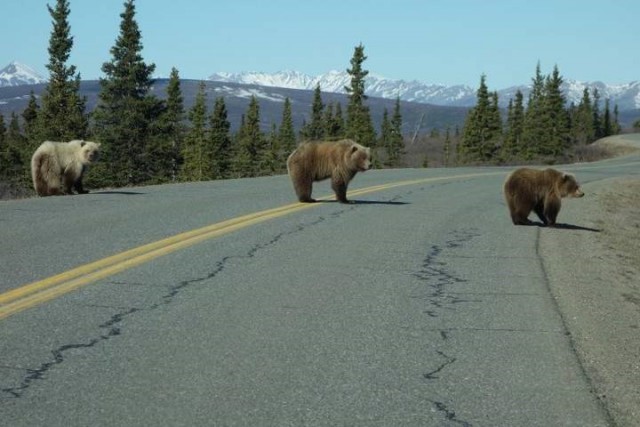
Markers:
point(38, 292)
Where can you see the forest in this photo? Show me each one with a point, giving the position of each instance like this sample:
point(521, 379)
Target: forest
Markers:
point(147, 140)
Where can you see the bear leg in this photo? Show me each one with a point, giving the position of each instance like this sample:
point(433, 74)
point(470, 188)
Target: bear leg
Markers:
point(551, 209)
point(340, 188)
point(539, 210)
point(303, 185)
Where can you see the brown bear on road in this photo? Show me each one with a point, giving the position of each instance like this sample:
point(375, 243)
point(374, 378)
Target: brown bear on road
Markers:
point(316, 161)
point(527, 190)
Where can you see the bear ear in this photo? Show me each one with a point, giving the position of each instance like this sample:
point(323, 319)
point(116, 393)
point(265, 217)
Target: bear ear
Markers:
point(354, 149)
point(83, 143)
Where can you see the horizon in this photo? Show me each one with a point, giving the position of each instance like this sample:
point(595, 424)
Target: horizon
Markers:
point(438, 42)
point(566, 80)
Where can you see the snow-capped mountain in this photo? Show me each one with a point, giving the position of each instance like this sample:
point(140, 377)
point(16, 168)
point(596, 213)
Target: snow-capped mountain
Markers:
point(16, 74)
point(626, 96)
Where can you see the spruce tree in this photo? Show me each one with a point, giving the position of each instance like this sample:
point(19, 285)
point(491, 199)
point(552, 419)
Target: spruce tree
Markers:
point(385, 136)
point(62, 116)
point(196, 152)
point(127, 113)
point(557, 140)
point(314, 130)
point(30, 117)
point(250, 156)
point(512, 147)
point(446, 148)
point(172, 126)
point(395, 147)
point(483, 128)
point(358, 124)
point(286, 135)
point(220, 128)
point(597, 119)
point(583, 127)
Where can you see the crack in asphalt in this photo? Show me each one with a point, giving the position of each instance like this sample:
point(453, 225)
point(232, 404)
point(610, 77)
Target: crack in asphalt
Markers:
point(113, 324)
point(438, 278)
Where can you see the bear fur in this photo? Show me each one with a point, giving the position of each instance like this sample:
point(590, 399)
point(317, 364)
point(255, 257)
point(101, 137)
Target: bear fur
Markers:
point(58, 167)
point(316, 161)
point(541, 191)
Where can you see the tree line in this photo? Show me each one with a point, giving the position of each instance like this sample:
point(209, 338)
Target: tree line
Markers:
point(543, 130)
point(147, 140)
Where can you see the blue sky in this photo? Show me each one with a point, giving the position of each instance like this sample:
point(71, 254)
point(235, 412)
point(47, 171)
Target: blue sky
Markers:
point(434, 41)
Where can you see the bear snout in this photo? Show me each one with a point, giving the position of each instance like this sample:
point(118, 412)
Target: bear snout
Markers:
point(578, 193)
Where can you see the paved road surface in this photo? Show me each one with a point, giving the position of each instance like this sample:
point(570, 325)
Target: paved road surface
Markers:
point(418, 305)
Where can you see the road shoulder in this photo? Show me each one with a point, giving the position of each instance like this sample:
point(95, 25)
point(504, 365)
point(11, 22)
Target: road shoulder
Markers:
point(596, 282)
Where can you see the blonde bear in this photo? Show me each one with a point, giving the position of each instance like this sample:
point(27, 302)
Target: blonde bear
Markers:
point(57, 168)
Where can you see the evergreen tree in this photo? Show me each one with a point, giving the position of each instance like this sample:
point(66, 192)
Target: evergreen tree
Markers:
point(196, 151)
point(16, 155)
point(62, 116)
point(385, 135)
point(127, 113)
point(583, 127)
point(314, 130)
point(286, 135)
point(358, 125)
point(395, 146)
point(30, 117)
point(334, 122)
point(556, 116)
point(597, 119)
point(172, 127)
point(250, 157)
point(220, 129)
point(512, 146)
point(482, 128)
point(616, 124)
point(272, 152)
point(607, 126)
point(446, 149)
point(535, 126)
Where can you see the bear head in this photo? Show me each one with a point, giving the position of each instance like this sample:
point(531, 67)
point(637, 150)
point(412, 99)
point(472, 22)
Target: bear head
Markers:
point(89, 151)
point(569, 187)
point(360, 158)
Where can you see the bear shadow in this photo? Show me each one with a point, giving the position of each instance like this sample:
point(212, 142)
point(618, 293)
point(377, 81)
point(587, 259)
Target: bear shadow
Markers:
point(562, 226)
point(365, 202)
point(126, 193)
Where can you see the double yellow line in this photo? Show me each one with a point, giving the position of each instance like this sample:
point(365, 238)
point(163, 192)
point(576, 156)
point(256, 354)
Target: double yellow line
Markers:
point(35, 293)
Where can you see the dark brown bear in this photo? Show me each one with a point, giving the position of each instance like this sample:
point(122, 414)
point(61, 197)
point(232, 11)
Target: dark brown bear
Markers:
point(527, 190)
point(316, 161)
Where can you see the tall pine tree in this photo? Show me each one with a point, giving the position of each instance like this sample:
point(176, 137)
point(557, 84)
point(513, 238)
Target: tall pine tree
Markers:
point(286, 134)
point(314, 130)
point(126, 114)
point(196, 151)
point(220, 128)
point(482, 131)
point(62, 116)
point(250, 156)
point(358, 125)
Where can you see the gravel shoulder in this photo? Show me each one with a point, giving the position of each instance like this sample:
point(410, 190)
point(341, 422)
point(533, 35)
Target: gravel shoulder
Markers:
point(596, 283)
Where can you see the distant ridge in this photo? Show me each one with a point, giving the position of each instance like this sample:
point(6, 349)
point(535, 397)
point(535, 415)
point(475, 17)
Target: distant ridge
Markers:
point(626, 96)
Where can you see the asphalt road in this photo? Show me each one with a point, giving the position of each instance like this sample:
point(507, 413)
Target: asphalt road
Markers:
point(420, 304)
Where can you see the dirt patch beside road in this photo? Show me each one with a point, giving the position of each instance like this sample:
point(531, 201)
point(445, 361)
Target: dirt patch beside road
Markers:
point(597, 286)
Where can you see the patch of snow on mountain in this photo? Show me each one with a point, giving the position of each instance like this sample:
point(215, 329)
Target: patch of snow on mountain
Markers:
point(16, 74)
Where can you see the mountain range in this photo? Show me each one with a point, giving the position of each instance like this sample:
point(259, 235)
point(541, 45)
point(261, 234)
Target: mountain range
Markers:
point(626, 96)
point(424, 107)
